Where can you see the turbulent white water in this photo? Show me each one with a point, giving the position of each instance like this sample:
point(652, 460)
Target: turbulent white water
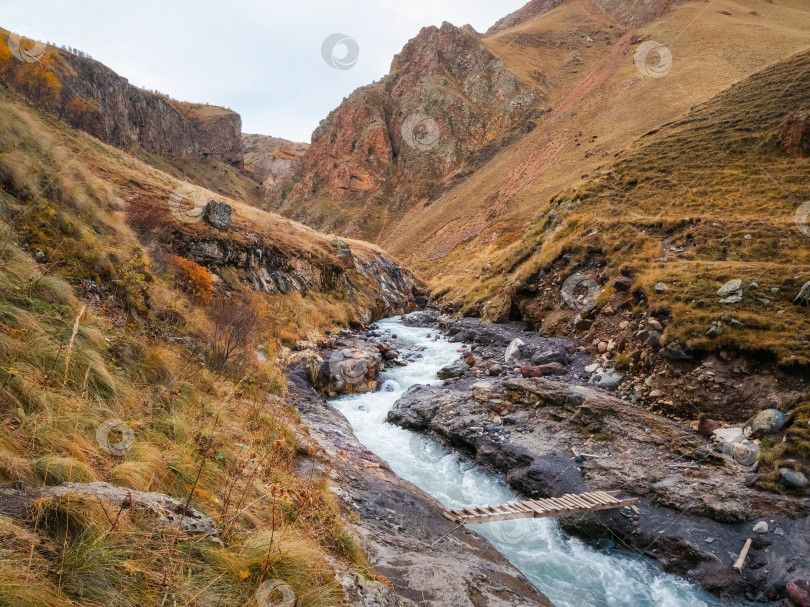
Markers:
point(570, 573)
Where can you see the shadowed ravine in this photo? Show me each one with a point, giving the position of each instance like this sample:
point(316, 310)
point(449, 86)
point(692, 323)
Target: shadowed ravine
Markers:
point(564, 569)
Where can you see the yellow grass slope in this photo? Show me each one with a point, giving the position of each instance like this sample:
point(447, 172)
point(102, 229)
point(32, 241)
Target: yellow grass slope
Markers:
point(599, 104)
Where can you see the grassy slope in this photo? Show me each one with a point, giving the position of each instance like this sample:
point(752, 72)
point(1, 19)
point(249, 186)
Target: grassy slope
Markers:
point(477, 220)
point(677, 207)
point(131, 354)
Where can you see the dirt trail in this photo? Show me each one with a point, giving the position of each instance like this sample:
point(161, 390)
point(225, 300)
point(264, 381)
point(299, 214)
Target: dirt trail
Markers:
point(579, 97)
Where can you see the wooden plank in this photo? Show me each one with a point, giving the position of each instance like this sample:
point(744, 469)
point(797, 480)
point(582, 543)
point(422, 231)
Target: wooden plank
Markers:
point(579, 501)
point(607, 496)
point(538, 510)
point(541, 507)
point(569, 501)
point(554, 503)
point(544, 504)
point(738, 565)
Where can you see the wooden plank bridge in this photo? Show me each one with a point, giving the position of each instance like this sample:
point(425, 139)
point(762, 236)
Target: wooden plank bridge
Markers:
point(539, 508)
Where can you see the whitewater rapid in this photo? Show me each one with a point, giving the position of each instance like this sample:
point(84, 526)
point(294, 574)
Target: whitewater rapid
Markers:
point(570, 573)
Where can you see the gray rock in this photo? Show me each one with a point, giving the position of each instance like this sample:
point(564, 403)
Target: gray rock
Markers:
point(760, 527)
point(495, 370)
point(610, 380)
point(553, 355)
point(769, 421)
point(343, 252)
point(675, 350)
point(729, 435)
point(715, 330)
point(218, 214)
point(661, 287)
point(793, 479)
point(732, 287)
point(513, 352)
point(803, 298)
point(168, 511)
point(456, 369)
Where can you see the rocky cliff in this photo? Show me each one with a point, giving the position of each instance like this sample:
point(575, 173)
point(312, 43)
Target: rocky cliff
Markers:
point(268, 159)
point(92, 97)
point(127, 115)
point(393, 141)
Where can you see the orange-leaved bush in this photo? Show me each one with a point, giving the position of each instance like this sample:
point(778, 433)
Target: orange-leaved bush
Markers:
point(193, 278)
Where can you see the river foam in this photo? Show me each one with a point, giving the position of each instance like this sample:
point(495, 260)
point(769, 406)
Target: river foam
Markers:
point(566, 570)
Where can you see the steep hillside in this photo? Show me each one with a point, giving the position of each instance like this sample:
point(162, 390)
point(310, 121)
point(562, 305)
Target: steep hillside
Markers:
point(658, 237)
point(129, 332)
point(92, 97)
point(271, 158)
point(449, 209)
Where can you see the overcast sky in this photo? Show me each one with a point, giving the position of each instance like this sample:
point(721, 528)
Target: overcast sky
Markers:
point(262, 59)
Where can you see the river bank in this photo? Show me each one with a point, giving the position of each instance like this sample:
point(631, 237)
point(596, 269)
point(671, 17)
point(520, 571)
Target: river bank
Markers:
point(400, 527)
point(552, 436)
point(567, 571)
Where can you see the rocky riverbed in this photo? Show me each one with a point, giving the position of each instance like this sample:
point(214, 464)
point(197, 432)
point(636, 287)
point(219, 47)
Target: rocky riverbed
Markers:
point(426, 561)
point(551, 420)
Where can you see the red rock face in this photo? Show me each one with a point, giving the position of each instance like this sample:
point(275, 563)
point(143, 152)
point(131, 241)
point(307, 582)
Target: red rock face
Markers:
point(794, 136)
point(445, 96)
point(533, 9)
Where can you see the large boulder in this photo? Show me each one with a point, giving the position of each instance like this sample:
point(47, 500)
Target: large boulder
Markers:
point(352, 368)
point(218, 214)
point(731, 292)
point(343, 252)
point(551, 355)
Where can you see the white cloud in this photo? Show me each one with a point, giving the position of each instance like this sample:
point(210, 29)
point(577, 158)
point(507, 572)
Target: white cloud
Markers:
point(262, 59)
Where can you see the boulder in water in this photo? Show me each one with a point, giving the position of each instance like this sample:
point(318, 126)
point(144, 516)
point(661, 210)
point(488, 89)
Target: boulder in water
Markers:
point(455, 369)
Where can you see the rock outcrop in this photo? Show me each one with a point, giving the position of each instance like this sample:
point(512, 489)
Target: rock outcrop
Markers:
point(124, 115)
point(794, 136)
point(269, 159)
point(533, 9)
point(446, 96)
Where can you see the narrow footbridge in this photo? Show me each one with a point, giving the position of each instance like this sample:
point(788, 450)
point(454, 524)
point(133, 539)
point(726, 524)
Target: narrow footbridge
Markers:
point(539, 508)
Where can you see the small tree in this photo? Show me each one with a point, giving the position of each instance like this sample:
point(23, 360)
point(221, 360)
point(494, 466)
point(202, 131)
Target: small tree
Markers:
point(234, 323)
point(40, 87)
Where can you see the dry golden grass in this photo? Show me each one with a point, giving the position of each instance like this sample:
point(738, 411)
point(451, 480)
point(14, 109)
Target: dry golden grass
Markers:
point(64, 369)
point(711, 52)
point(677, 208)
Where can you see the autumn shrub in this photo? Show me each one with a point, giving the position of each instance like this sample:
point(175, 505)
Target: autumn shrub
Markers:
point(194, 279)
